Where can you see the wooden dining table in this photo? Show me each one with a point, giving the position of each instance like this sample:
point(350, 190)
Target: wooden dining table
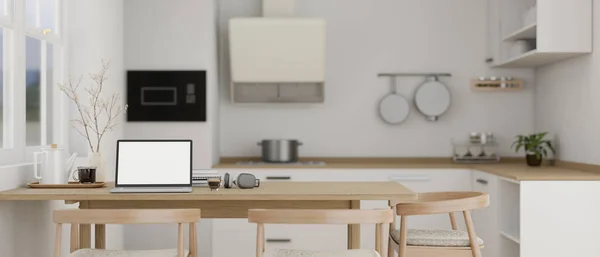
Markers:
point(224, 203)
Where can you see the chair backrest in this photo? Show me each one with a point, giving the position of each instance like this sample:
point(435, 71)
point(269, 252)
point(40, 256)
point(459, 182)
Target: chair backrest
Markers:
point(159, 216)
point(443, 202)
point(379, 217)
point(320, 216)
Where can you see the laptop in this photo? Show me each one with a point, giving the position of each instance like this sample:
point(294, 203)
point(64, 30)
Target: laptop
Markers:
point(153, 166)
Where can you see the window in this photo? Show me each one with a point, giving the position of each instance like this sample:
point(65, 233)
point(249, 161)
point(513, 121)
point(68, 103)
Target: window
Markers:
point(5, 9)
point(1, 87)
point(33, 92)
point(30, 67)
point(41, 15)
point(5, 25)
point(41, 39)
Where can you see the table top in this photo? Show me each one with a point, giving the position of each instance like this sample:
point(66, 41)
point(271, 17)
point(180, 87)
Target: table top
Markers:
point(272, 191)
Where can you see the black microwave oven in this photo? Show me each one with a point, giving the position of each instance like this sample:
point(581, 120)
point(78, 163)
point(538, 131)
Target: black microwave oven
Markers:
point(166, 95)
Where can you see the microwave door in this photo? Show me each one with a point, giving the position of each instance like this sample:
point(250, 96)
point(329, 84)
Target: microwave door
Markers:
point(158, 96)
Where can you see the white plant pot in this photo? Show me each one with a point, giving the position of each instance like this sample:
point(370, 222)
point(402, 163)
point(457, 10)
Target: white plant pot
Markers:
point(97, 160)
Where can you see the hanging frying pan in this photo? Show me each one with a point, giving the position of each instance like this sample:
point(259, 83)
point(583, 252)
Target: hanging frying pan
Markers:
point(394, 108)
point(432, 98)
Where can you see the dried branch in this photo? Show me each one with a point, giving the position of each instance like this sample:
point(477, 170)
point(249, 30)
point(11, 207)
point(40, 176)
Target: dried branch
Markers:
point(70, 90)
point(89, 120)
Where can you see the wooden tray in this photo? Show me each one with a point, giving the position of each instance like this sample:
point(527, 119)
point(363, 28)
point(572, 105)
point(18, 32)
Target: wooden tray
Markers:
point(70, 185)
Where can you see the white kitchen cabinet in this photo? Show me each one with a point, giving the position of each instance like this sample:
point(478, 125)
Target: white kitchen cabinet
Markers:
point(310, 237)
point(486, 220)
point(559, 30)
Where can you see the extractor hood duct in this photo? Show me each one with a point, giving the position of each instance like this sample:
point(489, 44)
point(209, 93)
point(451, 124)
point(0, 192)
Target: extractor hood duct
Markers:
point(277, 58)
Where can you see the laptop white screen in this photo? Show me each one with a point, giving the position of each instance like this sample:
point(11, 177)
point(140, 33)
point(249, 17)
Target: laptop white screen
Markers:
point(154, 163)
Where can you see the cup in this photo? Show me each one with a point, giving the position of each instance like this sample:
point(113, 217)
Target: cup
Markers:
point(214, 184)
point(85, 174)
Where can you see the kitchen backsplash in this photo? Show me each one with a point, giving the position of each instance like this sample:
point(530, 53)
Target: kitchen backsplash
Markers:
point(381, 36)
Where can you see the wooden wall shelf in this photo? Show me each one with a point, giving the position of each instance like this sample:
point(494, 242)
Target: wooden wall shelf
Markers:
point(496, 85)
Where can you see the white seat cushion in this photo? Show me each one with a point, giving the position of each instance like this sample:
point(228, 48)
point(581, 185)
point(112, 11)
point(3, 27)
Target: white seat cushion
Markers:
point(306, 253)
point(442, 238)
point(120, 253)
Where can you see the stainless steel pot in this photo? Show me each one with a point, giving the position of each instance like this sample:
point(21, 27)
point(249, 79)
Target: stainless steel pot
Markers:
point(279, 150)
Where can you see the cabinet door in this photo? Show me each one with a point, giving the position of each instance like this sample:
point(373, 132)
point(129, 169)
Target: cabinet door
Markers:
point(233, 237)
point(419, 181)
point(493, 29)
point(422, 181)
point(485, 220)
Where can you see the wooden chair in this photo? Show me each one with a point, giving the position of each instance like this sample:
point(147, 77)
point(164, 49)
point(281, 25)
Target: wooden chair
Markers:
point(378, 217)
point(162, 216)
point(451, 243)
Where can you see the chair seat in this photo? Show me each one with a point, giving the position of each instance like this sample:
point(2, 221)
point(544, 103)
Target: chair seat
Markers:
point(306, 253)
point(121, 253)
point(441, 238)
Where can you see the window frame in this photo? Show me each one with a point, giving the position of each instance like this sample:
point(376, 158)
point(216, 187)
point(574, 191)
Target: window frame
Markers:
point(7, 19)
point(15, 149)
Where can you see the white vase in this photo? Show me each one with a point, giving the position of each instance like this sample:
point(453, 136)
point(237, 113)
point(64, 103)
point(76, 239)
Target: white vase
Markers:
point(97, 160)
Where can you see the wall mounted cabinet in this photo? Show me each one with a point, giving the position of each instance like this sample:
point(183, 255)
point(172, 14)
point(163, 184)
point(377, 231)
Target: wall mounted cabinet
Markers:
point(532, 33)
point(277, 60)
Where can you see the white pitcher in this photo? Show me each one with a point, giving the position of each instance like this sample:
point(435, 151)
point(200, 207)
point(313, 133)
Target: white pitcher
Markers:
point(54, 168)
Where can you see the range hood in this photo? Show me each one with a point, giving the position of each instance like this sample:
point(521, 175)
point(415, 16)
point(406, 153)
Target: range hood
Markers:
point(277, 59)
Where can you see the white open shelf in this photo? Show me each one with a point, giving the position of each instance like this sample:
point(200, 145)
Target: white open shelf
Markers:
point(507, 248)
point(527, 32)
point(510, 237)
point(535, 58)
point(510, 210)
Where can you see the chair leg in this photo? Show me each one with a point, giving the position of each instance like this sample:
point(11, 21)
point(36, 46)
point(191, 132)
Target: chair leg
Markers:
point(390, 251)
point(453, 221)
point(260, 239)
point(58, 240)
point(402, 251)
point(392, 226)
point(472, 236)
point(180, 241)
point(378, 239)
point(383, 237)
point(193, 240)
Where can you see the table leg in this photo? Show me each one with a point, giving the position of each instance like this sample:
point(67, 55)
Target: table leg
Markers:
point(100, 236)
point(354, 229)
point(85, 230)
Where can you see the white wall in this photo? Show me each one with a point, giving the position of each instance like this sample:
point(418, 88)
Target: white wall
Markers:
point(368, 37)
point(174, 35)
point(24, 222)
point(95, 32)
point(167, 35)
point(567, 103)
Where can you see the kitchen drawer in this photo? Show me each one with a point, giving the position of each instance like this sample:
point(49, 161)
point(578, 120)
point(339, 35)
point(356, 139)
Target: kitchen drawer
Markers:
point(306, 237)
point(240, 243)
point(422, 181)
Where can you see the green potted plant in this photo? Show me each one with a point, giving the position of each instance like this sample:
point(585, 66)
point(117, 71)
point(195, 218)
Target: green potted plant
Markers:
point(536, 147)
